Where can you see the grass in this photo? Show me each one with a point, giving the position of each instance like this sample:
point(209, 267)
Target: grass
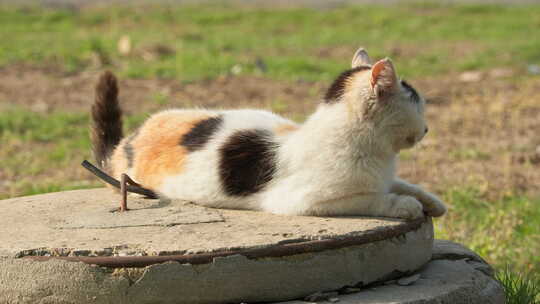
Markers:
point(506, 231)
point(46, 147)
point(296, 43)
point(520, 288)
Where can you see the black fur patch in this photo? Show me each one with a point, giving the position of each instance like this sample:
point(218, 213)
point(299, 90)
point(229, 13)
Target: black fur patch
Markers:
point(414, 95)
point(247, 162)
point(201, 133)
point(337, 89)
point(128, 148)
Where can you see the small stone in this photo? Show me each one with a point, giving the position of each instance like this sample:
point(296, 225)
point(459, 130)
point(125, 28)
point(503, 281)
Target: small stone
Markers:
point(333, 300)
point(533, 69)
point(321, 296)
point(470, 76)
point(236, 69)
point(408, 280)
point(318, 296)
point(124, 45)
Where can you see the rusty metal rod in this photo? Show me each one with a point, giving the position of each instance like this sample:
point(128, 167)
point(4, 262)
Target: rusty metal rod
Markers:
point(135, 188)
point(125, 181)
point(123, 192)
point(279, 250)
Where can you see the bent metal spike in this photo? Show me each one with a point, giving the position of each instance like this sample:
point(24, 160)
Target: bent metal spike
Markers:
point(126, 184)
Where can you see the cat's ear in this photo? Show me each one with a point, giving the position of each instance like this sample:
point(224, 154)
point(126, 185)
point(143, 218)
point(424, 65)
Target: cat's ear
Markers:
point(384, 80)
point(360, 58)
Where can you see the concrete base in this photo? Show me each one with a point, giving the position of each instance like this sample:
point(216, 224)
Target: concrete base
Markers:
point(236, 256)
point(455, 275)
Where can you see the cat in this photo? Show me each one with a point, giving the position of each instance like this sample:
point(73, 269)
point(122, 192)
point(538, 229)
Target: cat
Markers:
point(340, 161)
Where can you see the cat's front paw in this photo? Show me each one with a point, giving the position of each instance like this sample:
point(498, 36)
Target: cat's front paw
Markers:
point(408, 207)
point(433, 206)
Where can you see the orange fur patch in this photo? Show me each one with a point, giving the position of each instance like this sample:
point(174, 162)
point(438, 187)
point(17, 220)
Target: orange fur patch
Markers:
point(284, 129)
point(157, 148)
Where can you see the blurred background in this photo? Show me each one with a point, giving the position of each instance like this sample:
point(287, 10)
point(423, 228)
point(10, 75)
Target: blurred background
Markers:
point(477, 63)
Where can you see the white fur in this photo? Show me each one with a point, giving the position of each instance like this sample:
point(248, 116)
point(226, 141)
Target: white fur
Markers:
point(339, 162)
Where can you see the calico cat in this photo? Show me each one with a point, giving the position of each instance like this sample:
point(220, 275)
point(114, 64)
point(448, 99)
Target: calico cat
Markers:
point(341, 161)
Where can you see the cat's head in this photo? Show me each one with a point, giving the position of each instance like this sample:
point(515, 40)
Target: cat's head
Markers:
point(375, 95)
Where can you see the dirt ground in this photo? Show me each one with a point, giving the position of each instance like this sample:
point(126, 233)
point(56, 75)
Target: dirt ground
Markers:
point(47, 90)
point(482, 132)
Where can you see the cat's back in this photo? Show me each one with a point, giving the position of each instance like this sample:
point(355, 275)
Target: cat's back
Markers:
point(216, 120)
point(203, 155)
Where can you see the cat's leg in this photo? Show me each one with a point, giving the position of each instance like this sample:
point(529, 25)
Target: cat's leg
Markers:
point(376, 204)
point(290, 202)
point(433, 206)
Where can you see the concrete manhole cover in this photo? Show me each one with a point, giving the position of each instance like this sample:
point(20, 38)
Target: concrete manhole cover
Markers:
point(164, 251)
point(95, 214)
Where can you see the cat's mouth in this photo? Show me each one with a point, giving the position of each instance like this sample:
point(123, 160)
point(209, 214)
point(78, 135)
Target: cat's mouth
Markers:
point(411, 140)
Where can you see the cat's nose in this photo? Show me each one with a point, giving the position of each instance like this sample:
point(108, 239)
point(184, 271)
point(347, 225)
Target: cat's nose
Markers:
point(426, 130)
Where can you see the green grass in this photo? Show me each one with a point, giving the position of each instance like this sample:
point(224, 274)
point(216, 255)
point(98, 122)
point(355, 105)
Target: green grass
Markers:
point(520, 288)
point(505, 232)
point(295, 43)
point(41, 152)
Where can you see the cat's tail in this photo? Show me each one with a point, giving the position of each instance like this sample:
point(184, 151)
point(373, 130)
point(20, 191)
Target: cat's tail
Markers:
point(106, 130)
